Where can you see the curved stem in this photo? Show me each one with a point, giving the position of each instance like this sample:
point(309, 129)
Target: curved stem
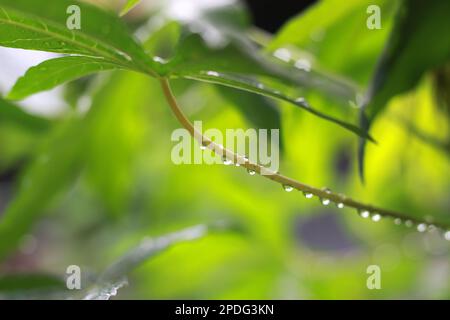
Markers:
point(275, 176)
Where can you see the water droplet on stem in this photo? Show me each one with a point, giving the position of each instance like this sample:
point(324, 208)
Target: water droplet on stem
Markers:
point(308, 195)
point(364, 214)
point(422, 227)
point(376, 217)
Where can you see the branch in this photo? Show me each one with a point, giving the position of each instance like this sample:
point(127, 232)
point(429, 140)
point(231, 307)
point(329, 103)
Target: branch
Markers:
point(289, 184)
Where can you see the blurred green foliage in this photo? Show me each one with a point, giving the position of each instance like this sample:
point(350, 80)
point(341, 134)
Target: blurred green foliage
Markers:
point(88, 185)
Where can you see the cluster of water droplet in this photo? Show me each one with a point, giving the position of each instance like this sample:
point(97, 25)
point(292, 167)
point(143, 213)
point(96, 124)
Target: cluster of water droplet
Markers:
point(286, 55)
point(367, 214)
point(420, 227)
point(374, 216)
point(363, 213)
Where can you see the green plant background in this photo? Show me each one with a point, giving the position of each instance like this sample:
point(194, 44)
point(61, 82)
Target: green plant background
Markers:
point(89, 207)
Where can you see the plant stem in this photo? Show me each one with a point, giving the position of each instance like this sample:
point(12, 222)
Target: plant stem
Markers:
point(277, 177)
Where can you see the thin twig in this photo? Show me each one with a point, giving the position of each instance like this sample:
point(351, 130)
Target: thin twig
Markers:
point(324, 194)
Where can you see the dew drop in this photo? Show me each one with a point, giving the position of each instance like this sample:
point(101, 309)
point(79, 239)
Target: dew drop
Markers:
point(408, 223)
point(303, 64)
point(364, 214)
point(325, 202)
point(212, 73)
point(226, 161)
point(287, 188)
point(251, 172)
point(300, 100)
point(203, 147)
point(376, 217)
point(422, 227)
point(398, 221)
point(308, 195)
point(283, 54)
point(340, 205)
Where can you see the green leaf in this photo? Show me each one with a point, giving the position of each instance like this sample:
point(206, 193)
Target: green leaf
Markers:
point(259, 110)
point(163, 40)
point(298, 29)
point(215, 42)
point(115, 276)
point(54, 167)
point(21, 284)
point(408, 55)
point(149, 248)
point(117, 132)
point(334, 37)
point(406, 58)
point(246, 84)
point(54, 72)
point(129, 6)
point(12, 114)
point(28, 24)
point(20, 132)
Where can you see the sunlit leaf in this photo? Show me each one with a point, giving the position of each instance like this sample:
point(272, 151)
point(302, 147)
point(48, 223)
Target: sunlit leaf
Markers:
point(12, 114)
point(147, 249)
point(407, 56)
point(28, 24)
point(216, 40)
point(336, 36)
point(249, 85)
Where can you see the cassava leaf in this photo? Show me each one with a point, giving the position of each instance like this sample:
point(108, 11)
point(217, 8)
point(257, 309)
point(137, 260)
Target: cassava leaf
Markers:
point(54, 72)
point(246, 84)
point(28, 24)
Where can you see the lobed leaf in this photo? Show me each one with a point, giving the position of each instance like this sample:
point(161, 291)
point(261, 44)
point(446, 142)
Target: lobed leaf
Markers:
point(27, 24)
